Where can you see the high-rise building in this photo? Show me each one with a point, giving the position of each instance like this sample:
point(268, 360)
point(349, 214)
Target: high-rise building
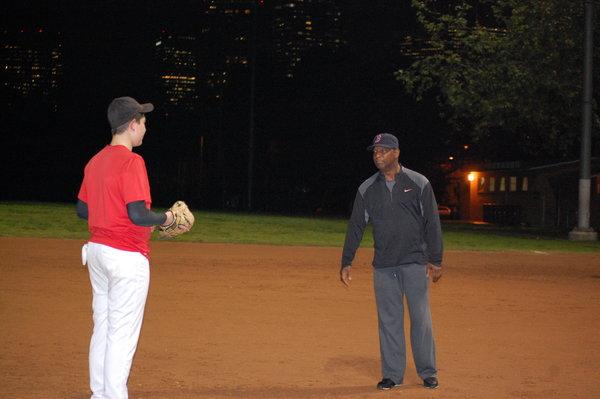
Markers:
point(32, 66)
point(228, 40)
point(203, 61)
point(199, 60)
point(301, 26)
point(178, 69)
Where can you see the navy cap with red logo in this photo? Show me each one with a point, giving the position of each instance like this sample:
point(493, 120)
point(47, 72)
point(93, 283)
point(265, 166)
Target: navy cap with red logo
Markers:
point(386, 140)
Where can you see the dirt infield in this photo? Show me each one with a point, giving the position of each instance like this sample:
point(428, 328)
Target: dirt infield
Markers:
point(246, 321)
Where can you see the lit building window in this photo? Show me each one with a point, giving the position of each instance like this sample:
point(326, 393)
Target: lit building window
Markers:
point(502, 184)
point(492, 184)
point(513, 183)
point(481, 185)
point(525, 184)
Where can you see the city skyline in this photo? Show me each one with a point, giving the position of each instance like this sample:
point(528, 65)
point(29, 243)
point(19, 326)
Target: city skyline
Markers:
point(318, 78)
point(214, 44)
point(249, 90)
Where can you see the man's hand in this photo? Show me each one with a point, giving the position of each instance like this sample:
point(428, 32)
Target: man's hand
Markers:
point(345, 275)
point(434, 271)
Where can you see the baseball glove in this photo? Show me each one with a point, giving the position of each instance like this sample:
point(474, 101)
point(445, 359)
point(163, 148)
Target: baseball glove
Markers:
point(183, 220)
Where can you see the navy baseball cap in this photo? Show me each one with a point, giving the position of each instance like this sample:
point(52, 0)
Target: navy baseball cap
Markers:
point(123, 109)
point(386, 140)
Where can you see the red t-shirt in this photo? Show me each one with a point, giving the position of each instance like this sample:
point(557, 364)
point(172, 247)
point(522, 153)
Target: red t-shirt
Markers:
point(114, 177)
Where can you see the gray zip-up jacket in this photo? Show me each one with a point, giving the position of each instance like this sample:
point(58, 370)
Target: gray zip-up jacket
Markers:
point(406, 224)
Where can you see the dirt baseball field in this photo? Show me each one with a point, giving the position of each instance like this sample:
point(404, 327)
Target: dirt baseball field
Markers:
point(242, 321)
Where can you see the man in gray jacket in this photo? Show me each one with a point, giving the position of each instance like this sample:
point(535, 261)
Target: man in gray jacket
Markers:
point(401, 206)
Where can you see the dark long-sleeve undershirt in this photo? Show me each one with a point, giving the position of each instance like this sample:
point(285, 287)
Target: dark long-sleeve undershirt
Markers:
point(82, 209)
point(137, 212)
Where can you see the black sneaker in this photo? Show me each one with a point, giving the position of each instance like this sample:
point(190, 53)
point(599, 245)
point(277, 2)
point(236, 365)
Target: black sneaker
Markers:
point(386, 384)
point(431, 382)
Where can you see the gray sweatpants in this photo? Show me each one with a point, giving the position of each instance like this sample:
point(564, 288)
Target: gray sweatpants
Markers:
point(391, 284)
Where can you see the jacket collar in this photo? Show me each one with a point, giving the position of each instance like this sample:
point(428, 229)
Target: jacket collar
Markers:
point(381, 176)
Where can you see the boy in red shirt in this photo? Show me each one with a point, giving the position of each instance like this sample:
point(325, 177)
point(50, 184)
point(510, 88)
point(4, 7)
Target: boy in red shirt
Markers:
point(115, 200)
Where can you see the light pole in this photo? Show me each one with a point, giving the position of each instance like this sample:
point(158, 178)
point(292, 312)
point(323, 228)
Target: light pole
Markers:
point(583, 231)
point(252, 105)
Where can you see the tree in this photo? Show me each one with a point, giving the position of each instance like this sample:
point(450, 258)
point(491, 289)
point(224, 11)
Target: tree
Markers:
point(505, 72)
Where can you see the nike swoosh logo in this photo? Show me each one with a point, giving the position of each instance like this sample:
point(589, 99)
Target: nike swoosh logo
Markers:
point(407, 190)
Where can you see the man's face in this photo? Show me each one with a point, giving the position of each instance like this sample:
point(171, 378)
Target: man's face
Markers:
point(138, 131)
point(385, 158)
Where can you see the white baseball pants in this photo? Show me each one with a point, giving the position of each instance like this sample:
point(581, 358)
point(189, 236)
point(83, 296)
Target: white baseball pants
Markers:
point(120, 281)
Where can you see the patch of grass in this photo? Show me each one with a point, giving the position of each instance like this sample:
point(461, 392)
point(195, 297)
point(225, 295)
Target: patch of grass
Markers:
point(483, 241)
point(59, 221)
point(465, 236)
point(266, 229)
point(29, 219)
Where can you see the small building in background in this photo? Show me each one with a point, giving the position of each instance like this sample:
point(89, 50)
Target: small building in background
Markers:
point(514, 194)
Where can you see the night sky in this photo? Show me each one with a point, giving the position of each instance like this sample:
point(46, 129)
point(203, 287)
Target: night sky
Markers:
point(310, 133)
